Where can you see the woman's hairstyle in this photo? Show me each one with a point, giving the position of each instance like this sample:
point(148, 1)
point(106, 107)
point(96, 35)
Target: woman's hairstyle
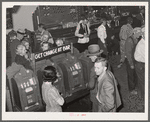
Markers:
point(50, 74)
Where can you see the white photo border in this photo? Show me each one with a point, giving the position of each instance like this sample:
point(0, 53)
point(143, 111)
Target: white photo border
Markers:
point(70, 115)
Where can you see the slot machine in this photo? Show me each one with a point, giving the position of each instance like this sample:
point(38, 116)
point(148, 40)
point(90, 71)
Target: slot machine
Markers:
point(73, 75)
point(25, 91)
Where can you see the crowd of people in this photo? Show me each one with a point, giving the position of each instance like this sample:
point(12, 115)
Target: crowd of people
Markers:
point(104, 93)
point(131, 47)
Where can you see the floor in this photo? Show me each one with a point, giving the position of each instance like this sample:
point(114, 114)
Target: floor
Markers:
point(131, 103)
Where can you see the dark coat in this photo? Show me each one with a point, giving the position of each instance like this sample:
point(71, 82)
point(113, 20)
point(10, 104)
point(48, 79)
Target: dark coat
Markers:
point(13, 46)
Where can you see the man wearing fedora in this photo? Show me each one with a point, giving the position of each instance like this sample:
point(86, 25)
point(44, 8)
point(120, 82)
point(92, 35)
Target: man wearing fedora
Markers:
point(20, 34)
point(93, 53)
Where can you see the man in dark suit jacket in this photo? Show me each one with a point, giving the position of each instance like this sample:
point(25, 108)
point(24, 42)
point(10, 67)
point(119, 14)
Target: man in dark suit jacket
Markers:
point(109, 31)
point(136, 21)
point(107, 93)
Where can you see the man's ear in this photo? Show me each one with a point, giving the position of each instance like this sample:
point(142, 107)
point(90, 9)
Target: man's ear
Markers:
point(105, 68)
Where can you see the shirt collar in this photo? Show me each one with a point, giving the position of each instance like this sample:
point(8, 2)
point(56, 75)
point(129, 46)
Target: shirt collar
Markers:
point(101, 76)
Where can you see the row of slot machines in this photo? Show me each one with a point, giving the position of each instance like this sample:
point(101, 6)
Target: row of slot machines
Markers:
point(25, 86)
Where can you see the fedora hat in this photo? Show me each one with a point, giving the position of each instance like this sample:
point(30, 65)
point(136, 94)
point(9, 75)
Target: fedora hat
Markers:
point(94, 50)
point(21, 31)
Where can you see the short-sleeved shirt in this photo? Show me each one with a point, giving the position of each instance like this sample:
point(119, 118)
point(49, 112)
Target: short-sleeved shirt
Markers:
point(51, 97)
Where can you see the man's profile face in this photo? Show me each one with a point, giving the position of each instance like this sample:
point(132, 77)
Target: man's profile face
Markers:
point(99, 68)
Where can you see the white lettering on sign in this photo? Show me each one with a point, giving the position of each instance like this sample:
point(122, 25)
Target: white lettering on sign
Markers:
point(59, 49)
point(52, 51)
point(48, 53)
point(66, 47)
point(74, 73)
point(38, 55)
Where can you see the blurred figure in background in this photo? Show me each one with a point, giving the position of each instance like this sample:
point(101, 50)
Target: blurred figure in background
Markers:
point(26, 43)
point(45, 46)
point(130, 45)
point(125, 32)
point(115, 45)
point(83, 33)
point(141, 16)
point(42, 35)
point(136, 21)
point(139, 56)
point(59, 42)
point(109, 31)
point(102, 35)
point(14, 42)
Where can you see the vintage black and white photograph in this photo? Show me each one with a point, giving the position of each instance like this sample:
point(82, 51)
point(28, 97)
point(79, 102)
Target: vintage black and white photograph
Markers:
point(75, 60)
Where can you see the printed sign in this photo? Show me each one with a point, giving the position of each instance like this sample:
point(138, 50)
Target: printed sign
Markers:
point(49, 53)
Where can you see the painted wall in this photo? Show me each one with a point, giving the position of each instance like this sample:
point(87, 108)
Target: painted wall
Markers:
point(23, 18)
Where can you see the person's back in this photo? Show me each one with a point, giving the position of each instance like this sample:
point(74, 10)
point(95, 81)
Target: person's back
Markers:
point(50, 94)
point(51, 104)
